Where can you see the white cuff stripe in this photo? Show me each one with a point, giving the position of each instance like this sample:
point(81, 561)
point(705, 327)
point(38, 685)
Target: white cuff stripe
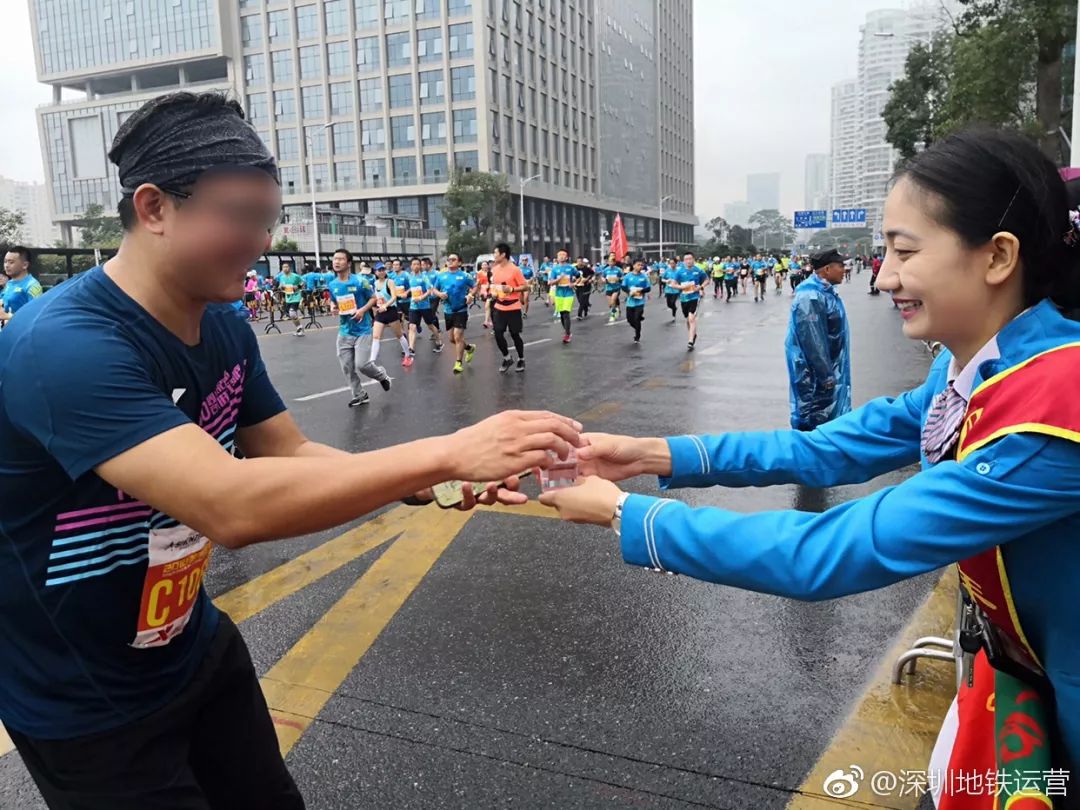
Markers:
point(651, 533)
point(701, 455)
point(706, 464)
point(645, 533)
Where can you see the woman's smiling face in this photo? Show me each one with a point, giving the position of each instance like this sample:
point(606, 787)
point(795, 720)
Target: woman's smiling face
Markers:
point(942, 286)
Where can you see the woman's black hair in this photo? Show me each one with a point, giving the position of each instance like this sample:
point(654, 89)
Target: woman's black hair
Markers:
point(987, 181)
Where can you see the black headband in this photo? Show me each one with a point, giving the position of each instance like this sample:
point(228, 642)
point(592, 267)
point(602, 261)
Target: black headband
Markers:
point(173, 139)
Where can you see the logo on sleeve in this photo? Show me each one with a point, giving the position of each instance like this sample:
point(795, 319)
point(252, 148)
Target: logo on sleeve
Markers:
point(176, 394)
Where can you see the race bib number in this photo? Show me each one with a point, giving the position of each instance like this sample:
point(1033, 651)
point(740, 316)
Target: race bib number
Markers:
point(399, 291)
point(564, 281)
point(417, 294)
point(612, 279)
point(179, 557)
point(636, 292)
point(346, 304)
point(380, 301)
point(289, 289)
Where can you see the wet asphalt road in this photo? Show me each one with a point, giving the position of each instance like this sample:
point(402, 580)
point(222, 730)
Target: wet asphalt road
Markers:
point(531, 667)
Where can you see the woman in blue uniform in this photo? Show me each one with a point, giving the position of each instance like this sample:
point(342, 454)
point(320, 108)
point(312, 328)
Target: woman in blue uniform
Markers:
point(982, 256)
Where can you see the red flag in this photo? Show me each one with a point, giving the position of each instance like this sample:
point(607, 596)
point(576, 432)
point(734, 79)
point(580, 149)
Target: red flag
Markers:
point(619, 246)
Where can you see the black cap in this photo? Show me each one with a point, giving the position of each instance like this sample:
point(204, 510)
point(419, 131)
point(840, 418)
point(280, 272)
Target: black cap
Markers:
point(827, 257)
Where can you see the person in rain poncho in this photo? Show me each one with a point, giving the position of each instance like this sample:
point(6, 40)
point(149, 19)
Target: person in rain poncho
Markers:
point(818, 347)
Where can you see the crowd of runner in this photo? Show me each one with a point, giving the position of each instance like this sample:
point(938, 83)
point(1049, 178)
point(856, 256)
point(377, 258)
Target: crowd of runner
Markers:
point(369, 300)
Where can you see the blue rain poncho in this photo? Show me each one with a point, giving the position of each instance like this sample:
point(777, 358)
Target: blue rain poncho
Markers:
point(818, 349)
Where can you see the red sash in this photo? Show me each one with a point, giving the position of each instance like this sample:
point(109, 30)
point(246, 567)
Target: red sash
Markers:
point(1037, 396)
point(1001, 728)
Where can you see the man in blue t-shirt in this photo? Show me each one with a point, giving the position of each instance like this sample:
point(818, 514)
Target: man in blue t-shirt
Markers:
point(354, 299)
point(689, 279)
point(420, 309)
point(637, 286)
point(21, 287)
point(612, 273)
point(140, 431)
point(528, 273)
point(456, 288)
point(563, 284)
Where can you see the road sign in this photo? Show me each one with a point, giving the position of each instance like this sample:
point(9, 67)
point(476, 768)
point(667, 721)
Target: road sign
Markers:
point(849, 216)
point(810, 220)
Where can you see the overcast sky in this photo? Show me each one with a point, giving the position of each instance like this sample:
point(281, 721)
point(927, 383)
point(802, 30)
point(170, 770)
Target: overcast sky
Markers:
point(763, 69)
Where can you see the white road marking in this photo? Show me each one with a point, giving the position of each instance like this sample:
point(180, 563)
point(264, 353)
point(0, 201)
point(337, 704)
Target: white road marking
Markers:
point(333, 391)
point(538, 342)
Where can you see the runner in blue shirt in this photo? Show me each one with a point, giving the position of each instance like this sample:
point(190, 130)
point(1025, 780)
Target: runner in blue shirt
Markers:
point(637, 286)
point(669, 276)
point(457, 288)
point(543, 276)
point(562, 283)
point(731, 279)
point(420, 308)
point(528, 273)
point(125, 400)
point(430, 272)
point(400, 279)
point(354, 300)
point(22, 288)
point(613, 276)
point(689, 280)
point(386, 313)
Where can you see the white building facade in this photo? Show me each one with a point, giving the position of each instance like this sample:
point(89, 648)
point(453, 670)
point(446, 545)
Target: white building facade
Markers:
point(372, 104)
point(32, 201)
point(816, 179)
point(862, 160)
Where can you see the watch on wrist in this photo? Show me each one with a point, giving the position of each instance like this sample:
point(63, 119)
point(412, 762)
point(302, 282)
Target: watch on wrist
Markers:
point(616, 520)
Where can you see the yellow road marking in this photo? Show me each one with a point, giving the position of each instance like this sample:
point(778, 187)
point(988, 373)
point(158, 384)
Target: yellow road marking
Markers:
point(530, 509)
point(892, 728)
point(597, 412)
point(6, 745)
point(254, 596)
point(299, 685)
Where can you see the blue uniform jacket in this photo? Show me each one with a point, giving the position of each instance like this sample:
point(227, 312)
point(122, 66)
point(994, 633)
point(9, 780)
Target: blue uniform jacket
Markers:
point(818, 348)
point(1019, 492)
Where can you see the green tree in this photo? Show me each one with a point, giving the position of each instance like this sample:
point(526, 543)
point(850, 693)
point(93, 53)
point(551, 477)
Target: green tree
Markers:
point(476, 207)
point(1040, 29)
point(912, 111)
point(1004, 66)
point(11, 224)
point(285, 245)
point(98, 230)
point(741, 238)
point(991, 78)
point(772, 228)
point(719, 228)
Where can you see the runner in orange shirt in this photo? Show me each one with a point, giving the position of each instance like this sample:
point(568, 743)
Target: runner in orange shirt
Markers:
point(508, 284)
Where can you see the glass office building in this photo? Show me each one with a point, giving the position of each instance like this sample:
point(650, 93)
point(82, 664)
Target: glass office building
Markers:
point(372, 104)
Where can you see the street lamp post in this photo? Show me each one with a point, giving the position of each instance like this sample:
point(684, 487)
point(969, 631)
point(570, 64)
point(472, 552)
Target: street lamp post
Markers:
point(521, 220)
point(662, 201)
point(311, 183)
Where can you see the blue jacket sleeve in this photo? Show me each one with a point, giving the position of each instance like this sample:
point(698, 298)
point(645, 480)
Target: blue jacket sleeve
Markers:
point(881, 436)
point(944, 514)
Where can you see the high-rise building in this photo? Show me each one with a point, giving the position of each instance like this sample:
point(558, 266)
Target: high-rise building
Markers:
point(32, 201)
point(844, 145)
point(763, 191)
point(739, 213)
point(373, 103)
point(862, 160)
point(816, 182)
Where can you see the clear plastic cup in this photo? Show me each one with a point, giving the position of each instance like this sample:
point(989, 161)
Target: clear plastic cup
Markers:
point(561, 473)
